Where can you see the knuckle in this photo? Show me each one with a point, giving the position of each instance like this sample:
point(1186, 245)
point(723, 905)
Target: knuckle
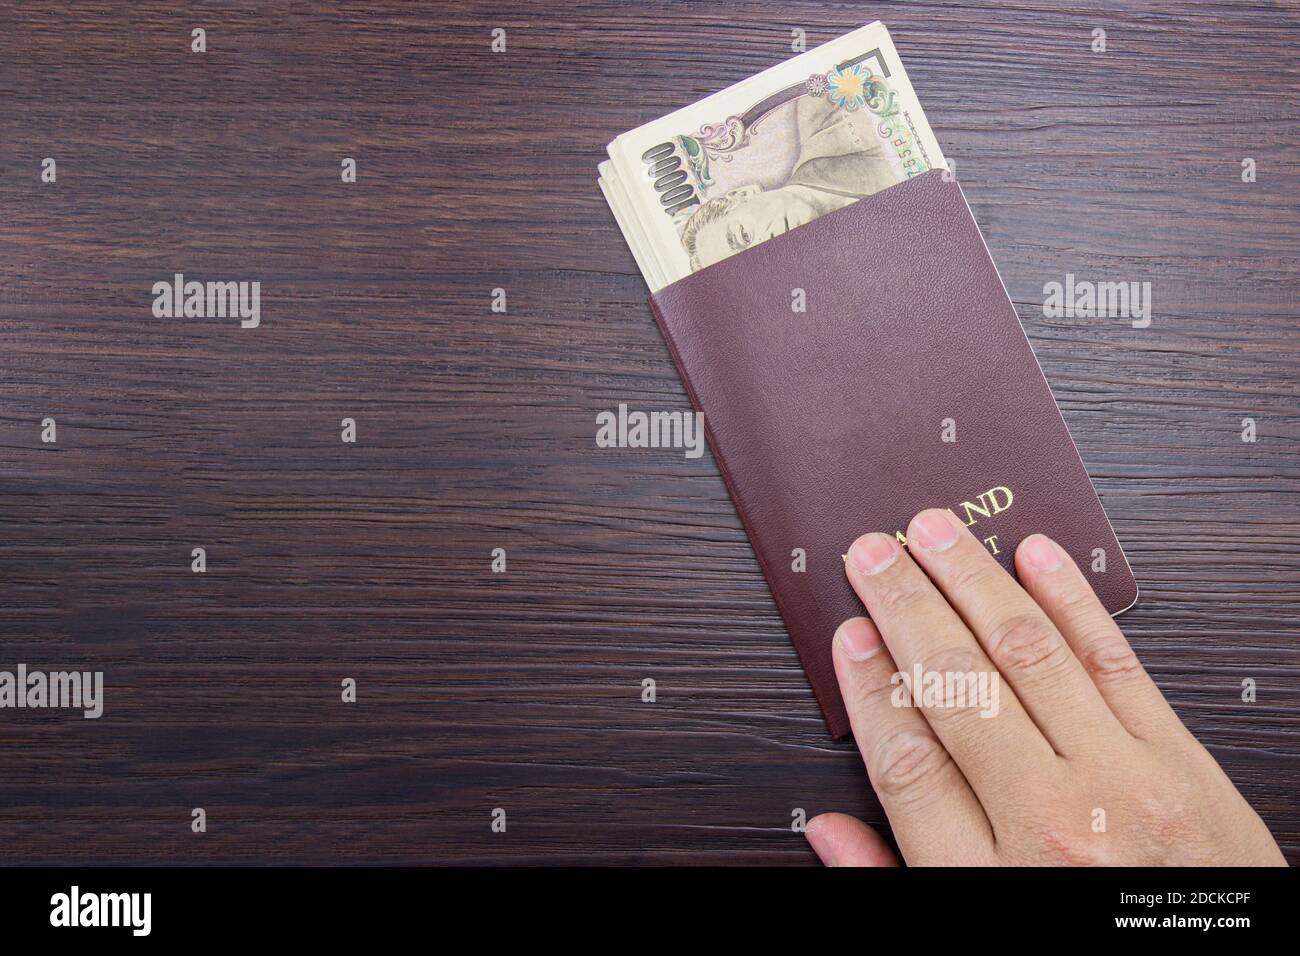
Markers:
point(874, 694)
point(1078, 602)
point(1168, 813)
point(1058, 842)
point(1026, 643)
point(951, 688)
point(902, 594)
point(974, 574)
point(1108, 659)
point(953, 659)
point(1161, 806)
point(1053, 828)
point(910, 764)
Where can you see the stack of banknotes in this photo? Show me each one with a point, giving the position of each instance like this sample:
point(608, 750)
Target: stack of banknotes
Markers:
point(808, 136)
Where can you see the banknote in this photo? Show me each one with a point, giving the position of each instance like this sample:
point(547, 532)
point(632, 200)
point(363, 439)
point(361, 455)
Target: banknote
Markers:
point(633, 234)
point(773, 152)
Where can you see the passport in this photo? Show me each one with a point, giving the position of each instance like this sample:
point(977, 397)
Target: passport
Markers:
point(861, 368)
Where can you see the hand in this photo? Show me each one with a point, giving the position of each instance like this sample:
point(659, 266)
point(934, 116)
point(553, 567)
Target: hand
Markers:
point(1048, 744)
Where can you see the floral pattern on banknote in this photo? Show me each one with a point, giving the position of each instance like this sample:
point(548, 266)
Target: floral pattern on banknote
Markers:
point(697, 160)
point(849, 87)
point(715, 141)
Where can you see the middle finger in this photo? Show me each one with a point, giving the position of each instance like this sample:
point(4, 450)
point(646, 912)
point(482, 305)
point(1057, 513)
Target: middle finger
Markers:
point(989, 734)
point(1021, 640)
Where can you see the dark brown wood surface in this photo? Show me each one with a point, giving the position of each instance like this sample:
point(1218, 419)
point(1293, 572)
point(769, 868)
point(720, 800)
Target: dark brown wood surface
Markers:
point(476, 430)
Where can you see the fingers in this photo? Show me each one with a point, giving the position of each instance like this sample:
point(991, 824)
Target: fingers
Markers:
point(1056, 583)
point(974, 713)
point(930, 805)
point(842, 840)
point(1018, 637)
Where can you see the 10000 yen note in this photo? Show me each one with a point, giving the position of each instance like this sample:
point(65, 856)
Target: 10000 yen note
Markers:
point(773, 152)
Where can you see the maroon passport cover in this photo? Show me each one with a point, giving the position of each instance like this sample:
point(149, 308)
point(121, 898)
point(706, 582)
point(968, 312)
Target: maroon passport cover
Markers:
point(829, 423)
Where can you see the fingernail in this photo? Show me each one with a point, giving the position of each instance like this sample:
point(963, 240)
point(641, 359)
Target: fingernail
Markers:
point(1042, 552)
point(874, 552)
point(934, 530)
point(859, 638)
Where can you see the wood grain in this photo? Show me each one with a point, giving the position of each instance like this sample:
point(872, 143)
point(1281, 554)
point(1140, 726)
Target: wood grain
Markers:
point(371, 561)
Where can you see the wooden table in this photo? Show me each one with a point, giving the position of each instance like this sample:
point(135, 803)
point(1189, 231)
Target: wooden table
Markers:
point(475, 429)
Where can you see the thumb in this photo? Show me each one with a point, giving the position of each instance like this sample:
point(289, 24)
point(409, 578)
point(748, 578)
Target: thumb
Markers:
point(842, 840)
